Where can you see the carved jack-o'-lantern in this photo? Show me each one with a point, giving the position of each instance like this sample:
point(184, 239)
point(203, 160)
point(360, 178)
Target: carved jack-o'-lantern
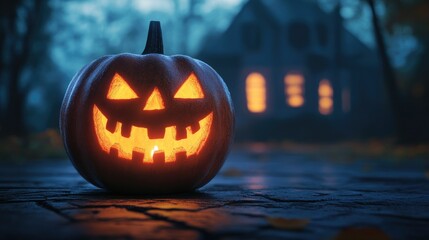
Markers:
point(147, 123)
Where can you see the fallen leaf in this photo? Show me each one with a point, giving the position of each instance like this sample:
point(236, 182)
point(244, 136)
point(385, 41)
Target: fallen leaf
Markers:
point(357, 233)
point(288, 224)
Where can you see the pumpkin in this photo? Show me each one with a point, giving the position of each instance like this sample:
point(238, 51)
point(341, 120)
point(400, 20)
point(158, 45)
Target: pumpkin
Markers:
point(147, 123)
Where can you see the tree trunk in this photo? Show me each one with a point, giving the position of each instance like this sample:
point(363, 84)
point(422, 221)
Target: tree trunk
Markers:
point(8, 35)
point(388, 75)
point(14, 120)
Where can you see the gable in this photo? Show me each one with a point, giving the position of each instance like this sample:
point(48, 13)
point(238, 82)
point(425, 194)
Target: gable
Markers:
point(271, 17)
point(253, 16)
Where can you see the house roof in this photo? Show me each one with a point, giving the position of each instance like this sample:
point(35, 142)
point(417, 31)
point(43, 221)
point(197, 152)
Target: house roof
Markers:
point(280, 12)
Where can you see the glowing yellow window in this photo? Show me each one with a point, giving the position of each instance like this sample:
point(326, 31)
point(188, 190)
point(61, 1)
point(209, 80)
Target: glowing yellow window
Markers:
point(256, 92)
point(326, 103)
point(294, 89)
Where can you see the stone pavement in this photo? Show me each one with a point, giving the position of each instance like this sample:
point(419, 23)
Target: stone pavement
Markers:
point(265, 195)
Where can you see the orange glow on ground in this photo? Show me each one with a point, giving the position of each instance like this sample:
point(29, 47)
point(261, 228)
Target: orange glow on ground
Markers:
point(190, 89)
point(119, 89)
point(294, 90)
point(326, 104)
point(256, 93)
point(140, 142)
point(154, 102)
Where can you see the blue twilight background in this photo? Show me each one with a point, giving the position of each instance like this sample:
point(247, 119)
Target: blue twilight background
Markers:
point(297, 70)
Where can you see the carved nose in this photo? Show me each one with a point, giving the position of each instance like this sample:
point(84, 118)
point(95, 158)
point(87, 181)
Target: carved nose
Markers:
point(154, 102)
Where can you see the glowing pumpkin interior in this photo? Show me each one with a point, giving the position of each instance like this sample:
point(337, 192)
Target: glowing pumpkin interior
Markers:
point(138, 146)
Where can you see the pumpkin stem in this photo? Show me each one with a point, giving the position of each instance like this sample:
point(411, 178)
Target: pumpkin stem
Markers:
point(154, 39)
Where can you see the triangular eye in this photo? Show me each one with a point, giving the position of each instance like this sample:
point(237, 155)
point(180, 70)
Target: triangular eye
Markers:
point(119, 89)
point(190, 89)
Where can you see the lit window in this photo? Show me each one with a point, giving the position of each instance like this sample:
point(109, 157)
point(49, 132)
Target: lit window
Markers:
point(255, 93)
point(294, 90)
point(326, 93)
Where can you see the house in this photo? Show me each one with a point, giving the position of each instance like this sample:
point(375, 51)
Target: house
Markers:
point(295, 72)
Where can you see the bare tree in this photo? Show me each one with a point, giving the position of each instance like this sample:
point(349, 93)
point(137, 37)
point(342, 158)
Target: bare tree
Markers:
point(187, 16)
point(388, 72)
point(413, 15)
point(22, 23)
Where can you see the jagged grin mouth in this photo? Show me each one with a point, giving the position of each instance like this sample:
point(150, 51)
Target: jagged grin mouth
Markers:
point(139, 144)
